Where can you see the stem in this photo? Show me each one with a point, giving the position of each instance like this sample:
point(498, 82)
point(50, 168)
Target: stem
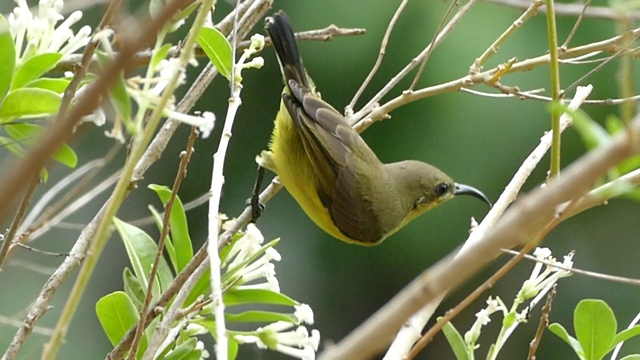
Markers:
point(554, 70)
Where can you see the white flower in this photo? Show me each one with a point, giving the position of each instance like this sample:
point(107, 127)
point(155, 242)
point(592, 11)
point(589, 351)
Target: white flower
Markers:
point(304, 314)
point(246, 246)
point(204, 123)
point(541, 281)
point(35, 34)
point(483, 318)
point(278, 336)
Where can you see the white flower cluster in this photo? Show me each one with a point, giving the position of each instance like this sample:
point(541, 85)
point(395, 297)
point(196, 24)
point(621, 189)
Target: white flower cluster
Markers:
point(289, 338)
point(534, 288)
point(35, 34)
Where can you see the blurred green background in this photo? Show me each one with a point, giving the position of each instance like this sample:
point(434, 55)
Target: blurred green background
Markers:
point(479, 141)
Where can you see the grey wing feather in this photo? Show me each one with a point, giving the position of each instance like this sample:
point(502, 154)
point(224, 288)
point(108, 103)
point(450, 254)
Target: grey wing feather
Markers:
point(329, 142)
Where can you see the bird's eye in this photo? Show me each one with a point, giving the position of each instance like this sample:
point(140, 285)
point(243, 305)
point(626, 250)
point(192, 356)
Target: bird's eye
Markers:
point(442, 189)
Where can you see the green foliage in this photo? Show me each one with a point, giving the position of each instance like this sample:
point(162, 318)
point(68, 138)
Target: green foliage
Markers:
point(117, 314)
point(118, 311)
point(218, 50)
point(594, 135)
point(8, 55)
point(595, 326)
point(456, 342)
point(26, 94)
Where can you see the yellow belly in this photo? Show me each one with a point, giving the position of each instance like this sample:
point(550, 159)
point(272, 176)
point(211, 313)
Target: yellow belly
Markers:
point(296, 173)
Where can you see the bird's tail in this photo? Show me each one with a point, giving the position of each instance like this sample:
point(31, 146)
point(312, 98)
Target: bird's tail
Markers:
point(284, 42)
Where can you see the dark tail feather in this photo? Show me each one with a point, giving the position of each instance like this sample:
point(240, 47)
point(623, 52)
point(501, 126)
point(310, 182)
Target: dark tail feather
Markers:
point(284, 42)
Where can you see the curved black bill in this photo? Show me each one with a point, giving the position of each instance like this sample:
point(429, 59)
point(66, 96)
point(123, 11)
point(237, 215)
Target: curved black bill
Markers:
point(462, 189)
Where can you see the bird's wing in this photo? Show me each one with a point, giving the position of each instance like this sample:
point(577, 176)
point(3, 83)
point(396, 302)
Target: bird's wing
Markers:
point(338, 155)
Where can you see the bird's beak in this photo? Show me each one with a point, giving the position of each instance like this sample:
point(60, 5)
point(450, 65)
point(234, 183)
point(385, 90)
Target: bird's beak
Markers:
point(462, 189)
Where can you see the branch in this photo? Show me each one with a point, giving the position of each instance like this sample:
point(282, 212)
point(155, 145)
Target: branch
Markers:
point(142, 58)
point(576, 9)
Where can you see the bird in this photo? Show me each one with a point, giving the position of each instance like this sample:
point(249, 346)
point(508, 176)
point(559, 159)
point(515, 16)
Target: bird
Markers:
point(330, 170)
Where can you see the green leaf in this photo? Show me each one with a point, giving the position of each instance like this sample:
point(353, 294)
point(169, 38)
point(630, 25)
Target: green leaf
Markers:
point(260, 316)
point(456, 342)
point(591, 132)
point(159, 55)
point(30, 133)
point(626, 334)
point(141, 250)
point(631, 357)
point(185, 351)
point(8, 56)
point(595, 327)
point(168, 243)
point(29, 102)
point(218, 50)
point(33, 68)
point(562, 333)
point(13, 146)
point(613, 124)
point(232, 345)
point(58, 85)
point(179, 227)
point(133, 288)
point(202, 287)
point(256, 296)
point(117, 315)
point(120, 100)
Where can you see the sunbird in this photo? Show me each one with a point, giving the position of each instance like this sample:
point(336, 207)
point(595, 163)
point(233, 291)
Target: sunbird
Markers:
point(331, 172)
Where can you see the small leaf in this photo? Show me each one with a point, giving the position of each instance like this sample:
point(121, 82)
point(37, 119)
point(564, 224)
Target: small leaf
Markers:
point(159, 55)
point(133, 288)
point(30, 133)
point(58, 85)
point(168, 243)
point(256, 296)
point(232, 345)
point(117, 315)
point(120, 100)
point(13, 146)
point(185, 351)
point(456, 342)
point(33, 68)
point(218, 50)
point(626, 334)
point(562, 333)
point(29, 102)
point(202, 287)
point(179, 227)
point(595, 327)
point(591, 132)
point(631, 357)
point(613, 124)
point(8, 56)
point(141, 250)
point(260, 316)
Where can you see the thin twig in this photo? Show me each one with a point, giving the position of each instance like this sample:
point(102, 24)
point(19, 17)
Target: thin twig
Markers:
point(572, 9)
point(531, 11)
point(542, 325)
point(185, 157)
point(574, 29)
point(592, 274)
point(68, 63)
point(432, 45)
point(381, 53)
point(554, 72)
point(380, 112)
point(18, 217)
point(372, 103)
